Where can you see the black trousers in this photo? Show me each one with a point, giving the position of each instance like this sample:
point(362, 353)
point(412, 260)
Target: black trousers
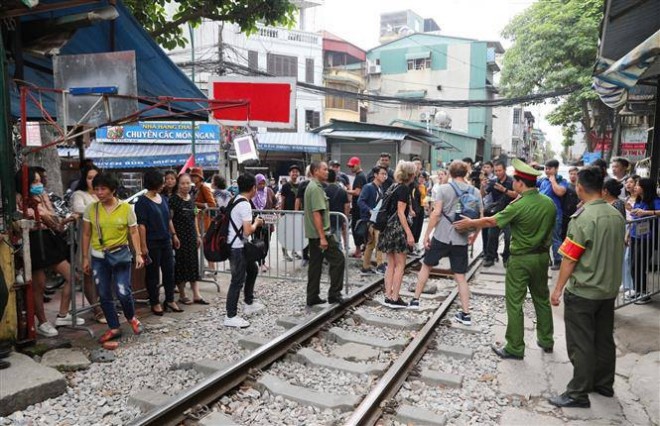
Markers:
point(243, 273)
point(640, 259)
point(162, 260)
point(335, 258)
point(417, 225)
point(493, 242)
point(590, 344)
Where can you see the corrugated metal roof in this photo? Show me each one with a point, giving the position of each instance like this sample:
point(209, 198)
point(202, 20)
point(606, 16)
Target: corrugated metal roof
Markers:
point(368, 134)
point(291, 142)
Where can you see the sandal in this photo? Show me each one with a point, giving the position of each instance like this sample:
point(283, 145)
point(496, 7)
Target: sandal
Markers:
point(200, 302)
point(185, 301)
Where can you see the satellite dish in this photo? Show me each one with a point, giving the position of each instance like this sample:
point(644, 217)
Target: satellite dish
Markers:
point(443, 120)
point(423, 116)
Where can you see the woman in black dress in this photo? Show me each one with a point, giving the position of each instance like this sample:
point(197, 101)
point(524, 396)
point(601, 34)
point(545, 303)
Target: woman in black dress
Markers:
point(397, 238)
point(186, 266)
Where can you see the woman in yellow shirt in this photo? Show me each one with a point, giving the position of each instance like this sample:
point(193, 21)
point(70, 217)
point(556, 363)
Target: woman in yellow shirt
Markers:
point(107, 225)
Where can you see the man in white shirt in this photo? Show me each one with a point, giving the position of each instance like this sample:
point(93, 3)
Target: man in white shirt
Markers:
point(242, 271)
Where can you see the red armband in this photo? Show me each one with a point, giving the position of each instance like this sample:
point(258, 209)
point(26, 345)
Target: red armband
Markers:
point(571, 249)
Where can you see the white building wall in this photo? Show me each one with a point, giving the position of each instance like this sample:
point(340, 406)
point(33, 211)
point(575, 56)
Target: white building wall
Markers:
point(503, 128)
point(454, 82)
point(236, 45)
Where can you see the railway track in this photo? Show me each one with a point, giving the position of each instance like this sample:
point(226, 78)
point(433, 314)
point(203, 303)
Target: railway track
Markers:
point(401, 358)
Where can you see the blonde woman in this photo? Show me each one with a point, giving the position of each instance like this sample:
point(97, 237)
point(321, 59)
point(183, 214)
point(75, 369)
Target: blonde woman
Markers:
point(397, 237)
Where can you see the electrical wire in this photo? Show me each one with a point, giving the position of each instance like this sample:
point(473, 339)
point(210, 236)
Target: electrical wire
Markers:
point(395, 100)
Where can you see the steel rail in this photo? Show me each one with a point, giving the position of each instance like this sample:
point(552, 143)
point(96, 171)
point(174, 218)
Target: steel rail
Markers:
point(370, 409)
point(222, 382)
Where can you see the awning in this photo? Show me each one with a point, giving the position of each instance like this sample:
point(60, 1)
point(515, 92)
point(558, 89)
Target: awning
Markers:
point(291, 142)
point(613, 80)
point(367, 134)
point(136, 156)
point(426, 54)
point(157, 75)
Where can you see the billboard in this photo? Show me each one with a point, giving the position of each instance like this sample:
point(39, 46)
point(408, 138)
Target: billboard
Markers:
point(270, 101)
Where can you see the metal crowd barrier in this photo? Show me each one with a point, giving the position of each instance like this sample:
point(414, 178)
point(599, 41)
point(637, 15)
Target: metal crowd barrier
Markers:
point(642, 262)
point(285, 232)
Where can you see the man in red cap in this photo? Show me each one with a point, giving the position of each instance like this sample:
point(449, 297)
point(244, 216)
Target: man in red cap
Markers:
point(358, 182)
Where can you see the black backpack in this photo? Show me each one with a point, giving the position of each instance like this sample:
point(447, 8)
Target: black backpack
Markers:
point(216, 246)
point(385, 209)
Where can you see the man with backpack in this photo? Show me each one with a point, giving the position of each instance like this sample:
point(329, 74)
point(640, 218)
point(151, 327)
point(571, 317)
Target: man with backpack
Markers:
point(371, 194)
point(243, 272)
point(454, 200)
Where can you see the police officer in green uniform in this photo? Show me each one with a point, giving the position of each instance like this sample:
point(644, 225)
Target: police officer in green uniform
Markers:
point(592, 265)
point(531, 217)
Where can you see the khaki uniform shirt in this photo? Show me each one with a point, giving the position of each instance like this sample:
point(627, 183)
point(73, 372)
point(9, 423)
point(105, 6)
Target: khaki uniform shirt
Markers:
point(532, 219)
point(316, 200)
point(599, 230)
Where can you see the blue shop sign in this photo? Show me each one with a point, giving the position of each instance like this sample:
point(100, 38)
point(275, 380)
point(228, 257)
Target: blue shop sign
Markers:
point(159, 132)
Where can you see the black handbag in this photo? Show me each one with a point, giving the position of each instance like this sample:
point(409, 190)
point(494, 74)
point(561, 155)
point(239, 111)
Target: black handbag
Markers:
point(254, 250)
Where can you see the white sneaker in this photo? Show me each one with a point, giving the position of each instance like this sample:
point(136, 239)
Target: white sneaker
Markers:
point(251, 309)
point(236, 322)
point(47, 330)
point(67, 320)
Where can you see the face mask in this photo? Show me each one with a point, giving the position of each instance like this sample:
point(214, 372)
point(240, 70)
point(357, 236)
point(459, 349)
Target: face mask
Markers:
point(37, 189)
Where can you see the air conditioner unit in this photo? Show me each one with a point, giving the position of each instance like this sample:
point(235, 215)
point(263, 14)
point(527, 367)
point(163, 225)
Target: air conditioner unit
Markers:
point(374, 69)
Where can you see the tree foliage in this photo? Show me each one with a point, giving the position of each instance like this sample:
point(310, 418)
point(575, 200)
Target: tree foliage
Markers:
point(166, 28)
point(555, 45)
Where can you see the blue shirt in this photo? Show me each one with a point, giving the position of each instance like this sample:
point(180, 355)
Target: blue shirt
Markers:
point(645, 226)
point(368, 199)
point(155, 218)
point(545, 187)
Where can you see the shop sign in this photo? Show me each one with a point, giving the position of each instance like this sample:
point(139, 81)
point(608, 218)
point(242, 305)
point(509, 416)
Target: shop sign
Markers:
point(159, 132)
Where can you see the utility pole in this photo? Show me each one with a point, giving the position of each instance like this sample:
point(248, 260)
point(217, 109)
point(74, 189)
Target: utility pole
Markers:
point(192, 59)
point(223, 155)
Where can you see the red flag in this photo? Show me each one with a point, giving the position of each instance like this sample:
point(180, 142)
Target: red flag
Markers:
point(190, 162)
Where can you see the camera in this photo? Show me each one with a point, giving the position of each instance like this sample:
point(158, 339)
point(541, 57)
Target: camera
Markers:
point(475, 175)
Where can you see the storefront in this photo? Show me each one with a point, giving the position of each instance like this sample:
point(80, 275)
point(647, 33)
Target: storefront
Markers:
point(133, 148)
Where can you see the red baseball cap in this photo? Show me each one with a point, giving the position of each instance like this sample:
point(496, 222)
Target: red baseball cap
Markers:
point(353, 161)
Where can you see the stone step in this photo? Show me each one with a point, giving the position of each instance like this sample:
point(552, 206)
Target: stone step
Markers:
point(473, 329)
point(340, 335)
point(65, 360)
point(455, 351)
point(408, 414)
point(252, 342)
point(434, 377)
point(27, 382)
point(147, 399)
point(395, 323)
point(308, 356)
point(217, 418)
point(307, 396)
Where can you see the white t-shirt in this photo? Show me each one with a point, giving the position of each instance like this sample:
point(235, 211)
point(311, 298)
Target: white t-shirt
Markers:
point(241, 212)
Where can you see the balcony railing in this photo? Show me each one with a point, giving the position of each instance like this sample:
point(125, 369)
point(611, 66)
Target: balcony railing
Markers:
point(290, 35)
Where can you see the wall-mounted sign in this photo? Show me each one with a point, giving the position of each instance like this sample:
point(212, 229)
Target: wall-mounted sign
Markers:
point(160, 132)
